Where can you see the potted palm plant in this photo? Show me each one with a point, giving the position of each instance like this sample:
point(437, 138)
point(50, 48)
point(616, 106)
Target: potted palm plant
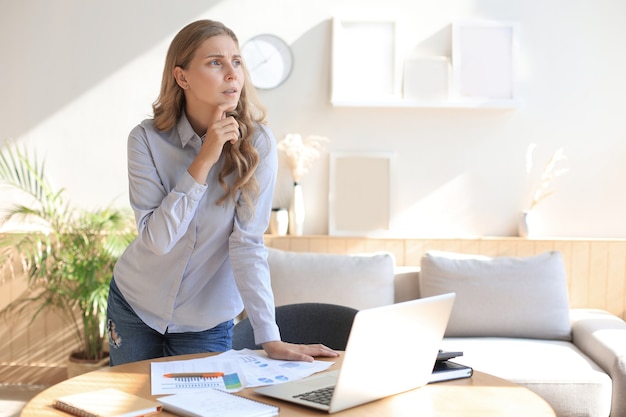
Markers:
point(69, 259)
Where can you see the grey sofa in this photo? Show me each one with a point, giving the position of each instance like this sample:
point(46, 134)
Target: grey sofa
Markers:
point(511, 319)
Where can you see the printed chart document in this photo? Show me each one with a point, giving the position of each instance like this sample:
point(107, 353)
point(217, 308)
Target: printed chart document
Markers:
point(260, 370)
point(214, 403)
point(195, 375)
point(229, 371)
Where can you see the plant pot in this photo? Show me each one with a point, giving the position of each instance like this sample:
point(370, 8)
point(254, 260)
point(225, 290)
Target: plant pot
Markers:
point(78, 366)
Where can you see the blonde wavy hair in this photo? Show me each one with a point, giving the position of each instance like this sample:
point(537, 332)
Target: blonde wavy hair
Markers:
point(240, 157)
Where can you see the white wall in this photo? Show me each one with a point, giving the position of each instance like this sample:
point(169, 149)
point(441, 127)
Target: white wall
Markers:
point(76, 76)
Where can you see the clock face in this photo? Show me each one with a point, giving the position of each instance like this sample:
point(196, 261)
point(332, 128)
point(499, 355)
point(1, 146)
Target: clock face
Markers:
point(268, 59)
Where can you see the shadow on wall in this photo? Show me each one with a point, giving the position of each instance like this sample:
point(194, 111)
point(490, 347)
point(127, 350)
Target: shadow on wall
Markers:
point(307, 92)
point(122, 31)
point(32, 351)
point(37, 354)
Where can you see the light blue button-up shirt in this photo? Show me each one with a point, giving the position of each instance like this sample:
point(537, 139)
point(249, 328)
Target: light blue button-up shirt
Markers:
point(195, 264)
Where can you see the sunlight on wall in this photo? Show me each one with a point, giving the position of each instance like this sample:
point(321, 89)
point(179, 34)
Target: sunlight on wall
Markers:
point(84, 142)
point(440, 213)
point(81, 122)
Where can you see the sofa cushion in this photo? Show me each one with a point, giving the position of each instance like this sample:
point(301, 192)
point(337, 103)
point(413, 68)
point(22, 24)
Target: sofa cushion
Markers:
point(358, 281)
point(501, 296)
point(556, 370)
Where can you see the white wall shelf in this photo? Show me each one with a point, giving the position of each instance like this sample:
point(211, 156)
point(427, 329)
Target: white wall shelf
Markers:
point(479, 71)
point(401, 103)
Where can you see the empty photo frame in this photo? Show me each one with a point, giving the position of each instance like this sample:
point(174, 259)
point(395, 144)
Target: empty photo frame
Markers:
point(357, 73)
point(360, 193)
point(484, 59)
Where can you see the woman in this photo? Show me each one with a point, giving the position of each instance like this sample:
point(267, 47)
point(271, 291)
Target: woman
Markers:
point(201, 175)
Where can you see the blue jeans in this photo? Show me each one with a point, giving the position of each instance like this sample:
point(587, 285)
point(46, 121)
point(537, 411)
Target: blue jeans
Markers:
point(130, 339)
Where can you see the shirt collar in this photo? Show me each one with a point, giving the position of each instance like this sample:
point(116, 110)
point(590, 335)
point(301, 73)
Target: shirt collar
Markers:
point(185, 131)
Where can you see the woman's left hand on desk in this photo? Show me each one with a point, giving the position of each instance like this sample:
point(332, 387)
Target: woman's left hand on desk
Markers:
point(295, 352)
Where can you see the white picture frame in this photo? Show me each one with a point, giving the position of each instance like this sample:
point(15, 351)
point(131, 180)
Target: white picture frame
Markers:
point(360, 193)
point(484, 59)
point(358, 73)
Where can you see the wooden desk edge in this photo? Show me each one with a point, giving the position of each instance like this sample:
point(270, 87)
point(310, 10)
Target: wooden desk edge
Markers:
point(135, 378)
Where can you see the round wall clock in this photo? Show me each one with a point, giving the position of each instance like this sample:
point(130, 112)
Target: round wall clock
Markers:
point(269, 60)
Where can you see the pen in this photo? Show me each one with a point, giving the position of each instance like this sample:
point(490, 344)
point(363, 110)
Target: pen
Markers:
point(195, 375)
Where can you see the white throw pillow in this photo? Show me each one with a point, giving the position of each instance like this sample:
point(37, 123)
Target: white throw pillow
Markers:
point(501, 296)
point(358, 281)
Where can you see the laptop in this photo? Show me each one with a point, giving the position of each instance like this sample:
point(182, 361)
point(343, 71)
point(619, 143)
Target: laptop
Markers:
point(391, 349)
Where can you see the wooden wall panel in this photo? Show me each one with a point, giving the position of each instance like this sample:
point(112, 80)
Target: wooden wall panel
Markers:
point(31, 351)
point(579, 274)
point(616, 278)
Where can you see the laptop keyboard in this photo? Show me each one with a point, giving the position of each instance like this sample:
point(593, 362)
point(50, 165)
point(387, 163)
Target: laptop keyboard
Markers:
point(320, 396)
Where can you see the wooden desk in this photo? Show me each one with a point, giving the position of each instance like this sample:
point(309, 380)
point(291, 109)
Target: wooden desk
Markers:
point(482, 395)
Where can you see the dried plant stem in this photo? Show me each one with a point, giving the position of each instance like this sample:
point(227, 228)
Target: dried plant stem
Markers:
point(549, 174)
point(301, 153)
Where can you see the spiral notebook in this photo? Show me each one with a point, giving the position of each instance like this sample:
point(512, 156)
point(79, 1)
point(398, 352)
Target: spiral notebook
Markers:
point(108, 402)
point(216, 403)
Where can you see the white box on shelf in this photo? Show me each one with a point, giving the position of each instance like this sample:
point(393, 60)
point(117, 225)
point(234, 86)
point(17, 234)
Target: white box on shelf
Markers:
point(426, 79)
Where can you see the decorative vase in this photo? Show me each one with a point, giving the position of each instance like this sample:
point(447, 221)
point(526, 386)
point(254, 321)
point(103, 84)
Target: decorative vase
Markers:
point(279, 221)
point(526, 226)
point(296, 211)
point(522, 226)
